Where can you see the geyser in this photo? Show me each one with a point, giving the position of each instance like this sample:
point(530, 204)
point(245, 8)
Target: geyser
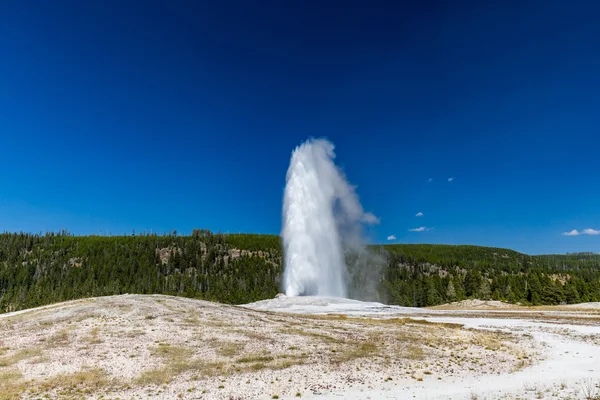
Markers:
point(322, 217)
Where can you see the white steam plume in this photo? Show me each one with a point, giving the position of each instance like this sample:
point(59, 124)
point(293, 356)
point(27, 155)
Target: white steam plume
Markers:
point(322, 216)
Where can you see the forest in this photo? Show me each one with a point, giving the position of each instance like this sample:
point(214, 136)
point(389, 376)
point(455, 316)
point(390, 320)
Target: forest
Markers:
point(39, 269)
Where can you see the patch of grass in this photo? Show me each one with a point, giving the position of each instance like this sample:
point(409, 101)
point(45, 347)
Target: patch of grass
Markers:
point(177, 360)
point(93, 336)
point(487, 341)
point(135, 333)
point(287, 363)
point(156, 376)
point(11, 386)
point(255, 358)
point(94, 380)
point(230, 349)
point(191, 320)
point(173, 353)
point(413, 352)
point(257, 367)
point(357, 350)
point(19, 356)
point(216, 323)
point(59, 339)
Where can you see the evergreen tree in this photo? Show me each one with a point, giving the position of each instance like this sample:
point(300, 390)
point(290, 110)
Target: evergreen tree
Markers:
point(484, 291)
point(450, 291)
point(534, 295)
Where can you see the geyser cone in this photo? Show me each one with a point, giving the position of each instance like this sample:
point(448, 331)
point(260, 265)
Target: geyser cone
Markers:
point(319, 208)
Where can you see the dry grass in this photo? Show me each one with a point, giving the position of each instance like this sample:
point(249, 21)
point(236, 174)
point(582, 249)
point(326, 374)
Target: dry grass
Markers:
point(488, 341)
point(251, 358)
point(173, 368)
point(59, 339)
point(134, 333)
point(177, 360)
point(19, 356)
point(155, 376)
point(230, 349)
point(357, 350)
point(172, 353)
point(86, 381)
point(93, 337)
point(11, 385)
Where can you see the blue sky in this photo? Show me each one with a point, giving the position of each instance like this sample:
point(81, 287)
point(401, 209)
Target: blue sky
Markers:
point(120, 115)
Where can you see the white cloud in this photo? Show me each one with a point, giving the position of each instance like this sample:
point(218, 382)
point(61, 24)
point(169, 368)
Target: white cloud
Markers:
point(420, 229)
point(588, 231)
point(430, 180)
point(591, 232)
point(370, 218)
point(419, 214)
point(392, 237)
point(450, 179)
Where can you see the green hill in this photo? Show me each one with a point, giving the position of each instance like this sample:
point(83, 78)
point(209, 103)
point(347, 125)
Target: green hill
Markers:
point(240, 268)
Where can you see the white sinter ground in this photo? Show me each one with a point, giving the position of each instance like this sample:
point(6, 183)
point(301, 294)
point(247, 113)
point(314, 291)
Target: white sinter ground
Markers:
point(571, 365)
point(142, 346)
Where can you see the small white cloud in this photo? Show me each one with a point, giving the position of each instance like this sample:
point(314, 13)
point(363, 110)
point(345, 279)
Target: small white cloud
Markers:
point(419, 214)
point(588, 231)
point(370, 218)
point(591, 232)
point(450, 179)
point(420, 229)
point(430, 180)
point(391, 237)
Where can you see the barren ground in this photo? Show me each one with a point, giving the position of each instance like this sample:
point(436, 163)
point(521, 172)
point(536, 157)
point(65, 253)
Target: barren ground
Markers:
point(135, 346)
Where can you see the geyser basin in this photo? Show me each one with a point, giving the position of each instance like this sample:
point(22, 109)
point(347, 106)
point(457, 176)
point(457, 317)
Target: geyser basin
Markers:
point(321, 217)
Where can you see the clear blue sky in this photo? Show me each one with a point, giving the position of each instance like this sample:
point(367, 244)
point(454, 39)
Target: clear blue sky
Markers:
point(118, 115)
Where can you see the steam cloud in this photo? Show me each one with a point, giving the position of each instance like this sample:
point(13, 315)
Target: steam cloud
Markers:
point(322, 224)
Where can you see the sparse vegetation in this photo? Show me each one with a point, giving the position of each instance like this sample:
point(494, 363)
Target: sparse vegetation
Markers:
point(590, 389)
point(93, 337)
point(20, 355)
point(255, 358)
point(94, 379)
point(230, 349)
point(58, 339)
point(11, 385)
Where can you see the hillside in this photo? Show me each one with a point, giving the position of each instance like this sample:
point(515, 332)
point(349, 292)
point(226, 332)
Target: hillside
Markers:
point(143, 346)
point(241, 268)
point(137, 346)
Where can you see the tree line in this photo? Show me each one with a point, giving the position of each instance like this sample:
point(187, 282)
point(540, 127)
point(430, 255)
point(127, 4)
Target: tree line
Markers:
point(39, 269)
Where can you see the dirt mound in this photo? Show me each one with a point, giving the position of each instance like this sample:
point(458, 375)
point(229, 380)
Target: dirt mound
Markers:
point(475, 304)
point(585, 305)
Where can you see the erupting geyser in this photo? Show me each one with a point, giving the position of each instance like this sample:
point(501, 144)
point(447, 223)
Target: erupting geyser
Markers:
point(321, 217)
